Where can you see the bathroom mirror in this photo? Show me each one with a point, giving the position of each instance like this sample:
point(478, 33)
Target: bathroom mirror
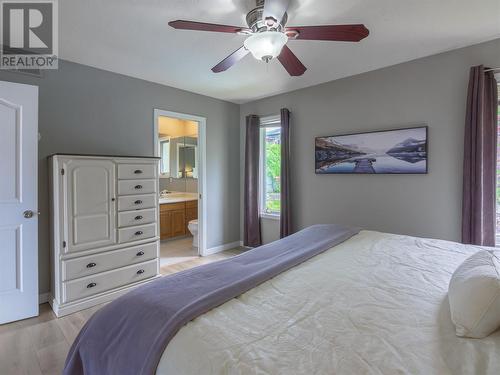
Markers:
point(178, 162)
point(186, 161)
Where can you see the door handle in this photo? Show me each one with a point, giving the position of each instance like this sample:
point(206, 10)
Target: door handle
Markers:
point(28, 214)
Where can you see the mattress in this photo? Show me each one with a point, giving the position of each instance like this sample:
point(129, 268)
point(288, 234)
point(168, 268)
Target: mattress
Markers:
point(375, 304)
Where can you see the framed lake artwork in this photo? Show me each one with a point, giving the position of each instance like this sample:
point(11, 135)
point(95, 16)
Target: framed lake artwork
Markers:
point(398, 151)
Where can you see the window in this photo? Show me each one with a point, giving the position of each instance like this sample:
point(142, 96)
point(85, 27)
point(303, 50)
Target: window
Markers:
point(165, 156)
point(270, 170)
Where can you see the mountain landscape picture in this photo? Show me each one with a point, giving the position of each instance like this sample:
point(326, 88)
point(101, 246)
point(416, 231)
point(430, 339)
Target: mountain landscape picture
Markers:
point(383, 152)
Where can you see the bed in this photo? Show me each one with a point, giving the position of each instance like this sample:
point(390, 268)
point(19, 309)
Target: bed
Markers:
point(375, 303)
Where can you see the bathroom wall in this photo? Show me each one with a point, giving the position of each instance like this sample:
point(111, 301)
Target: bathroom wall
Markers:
point(189, 185)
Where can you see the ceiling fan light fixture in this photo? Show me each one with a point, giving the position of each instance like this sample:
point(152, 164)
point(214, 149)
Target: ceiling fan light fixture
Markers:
point(266, 45)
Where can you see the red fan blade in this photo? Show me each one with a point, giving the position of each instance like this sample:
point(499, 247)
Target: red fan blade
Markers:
point(201, 26)
point(230, 60)
point(291, 63)
point(275, 9)
point(343, 33)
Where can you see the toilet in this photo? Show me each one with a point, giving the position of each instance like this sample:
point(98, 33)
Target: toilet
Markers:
point(193, 228)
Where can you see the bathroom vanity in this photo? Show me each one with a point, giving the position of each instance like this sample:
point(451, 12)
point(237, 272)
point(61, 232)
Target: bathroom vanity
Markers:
point(176, 211)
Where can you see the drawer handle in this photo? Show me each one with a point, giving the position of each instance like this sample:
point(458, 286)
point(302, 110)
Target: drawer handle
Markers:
point(140, 271)
point(137, 187)
point(91, 285)
point(140, 253)
point(138, 201)
point(138, 217)
point(138, 171)
point(90, 265)
point(139, 232)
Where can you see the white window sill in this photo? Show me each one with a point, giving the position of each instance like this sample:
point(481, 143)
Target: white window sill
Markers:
point(265, 215)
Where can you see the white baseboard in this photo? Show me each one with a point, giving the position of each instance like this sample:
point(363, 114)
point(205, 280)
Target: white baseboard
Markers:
point(226, 246)
point(43, 298)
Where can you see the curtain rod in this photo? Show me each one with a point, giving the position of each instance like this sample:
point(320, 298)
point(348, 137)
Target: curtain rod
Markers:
point(491, 70)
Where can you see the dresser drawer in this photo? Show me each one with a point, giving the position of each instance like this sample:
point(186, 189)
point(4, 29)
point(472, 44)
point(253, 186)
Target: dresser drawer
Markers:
point(137, 217)
point(136, 171)
point(136, 202)
point(101, 282)
point(139, 232)
point(92, 264)
point(127, 187)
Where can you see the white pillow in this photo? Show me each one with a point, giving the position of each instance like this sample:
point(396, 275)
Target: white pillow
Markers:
point(474, 295)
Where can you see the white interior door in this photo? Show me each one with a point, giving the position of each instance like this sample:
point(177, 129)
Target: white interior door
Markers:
point(18, 201)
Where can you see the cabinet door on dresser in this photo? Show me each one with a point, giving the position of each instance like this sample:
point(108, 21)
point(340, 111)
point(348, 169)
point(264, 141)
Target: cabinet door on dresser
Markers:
point(88, 191)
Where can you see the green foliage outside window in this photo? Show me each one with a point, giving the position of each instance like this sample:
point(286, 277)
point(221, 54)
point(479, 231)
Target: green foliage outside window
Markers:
point(273, 171)
point(273, 164)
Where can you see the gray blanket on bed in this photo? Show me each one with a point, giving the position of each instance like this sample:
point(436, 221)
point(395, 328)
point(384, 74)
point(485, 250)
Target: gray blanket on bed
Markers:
point(128, 336)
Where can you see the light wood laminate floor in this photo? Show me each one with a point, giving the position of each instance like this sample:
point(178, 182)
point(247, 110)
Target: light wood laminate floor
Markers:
point(39, 345)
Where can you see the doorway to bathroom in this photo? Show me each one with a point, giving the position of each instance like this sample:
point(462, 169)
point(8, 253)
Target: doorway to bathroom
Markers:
point(179, 141)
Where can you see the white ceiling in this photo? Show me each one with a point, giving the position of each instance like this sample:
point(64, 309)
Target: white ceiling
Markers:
point(132, 37)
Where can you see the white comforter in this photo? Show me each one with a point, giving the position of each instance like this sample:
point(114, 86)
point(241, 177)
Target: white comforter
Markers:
point(376, 304)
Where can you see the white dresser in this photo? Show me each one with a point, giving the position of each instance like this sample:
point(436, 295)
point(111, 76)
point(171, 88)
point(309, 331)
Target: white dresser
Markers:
point(105, 236)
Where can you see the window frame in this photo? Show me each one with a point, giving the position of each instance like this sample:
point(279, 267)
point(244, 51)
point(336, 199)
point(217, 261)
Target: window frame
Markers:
point(265, 122)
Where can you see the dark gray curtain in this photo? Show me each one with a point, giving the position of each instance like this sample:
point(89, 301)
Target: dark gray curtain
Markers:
point(480, 142)
point(285, 214)
point(251, 219)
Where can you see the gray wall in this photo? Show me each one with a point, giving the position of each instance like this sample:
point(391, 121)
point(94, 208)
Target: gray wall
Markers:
point(431, 90)
point(87, 110)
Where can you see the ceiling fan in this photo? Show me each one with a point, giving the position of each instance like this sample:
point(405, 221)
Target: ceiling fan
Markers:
point(268, 34)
